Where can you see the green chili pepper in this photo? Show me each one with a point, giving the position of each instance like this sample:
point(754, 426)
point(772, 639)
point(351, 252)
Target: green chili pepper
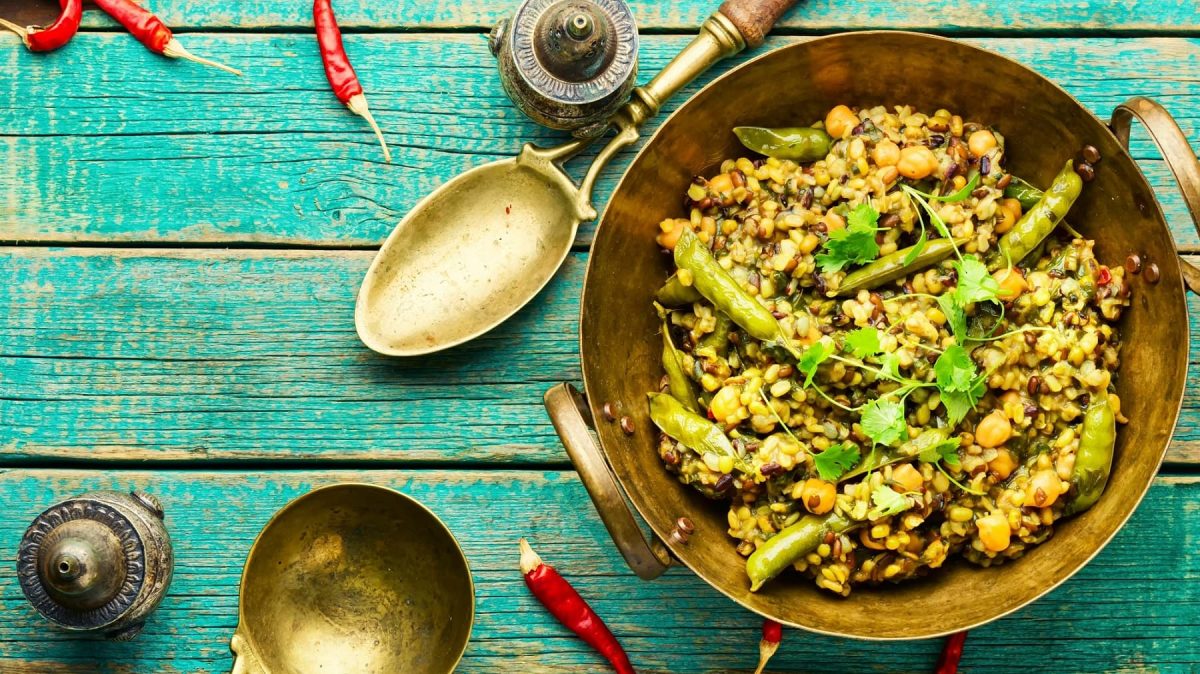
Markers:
point(672, 360)
point(1093, 459)
point(791, 544)
point(879, 458)
point(1037, 223)
point(675, 294)
point(718, 287)
point(891, 267)
point(718, 339)
point(799, 143)
point(1023, 192)
point(694, 431)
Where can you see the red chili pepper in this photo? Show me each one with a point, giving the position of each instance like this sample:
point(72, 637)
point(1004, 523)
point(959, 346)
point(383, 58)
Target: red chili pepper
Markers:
point(56, 34)
point(772, 635)
point(1104, 276)
point(565, 604)
point(338, 70)
point(951, 653)
point(152, 32)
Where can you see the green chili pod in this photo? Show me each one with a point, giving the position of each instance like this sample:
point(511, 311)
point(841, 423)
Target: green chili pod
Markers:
point(1023, 192)
point(879, 458)
point(718, 339)
point(1037, 223)
point(1093, 459)
point(798, 143)
point(672, 360)
point(718, 287)
point(694, 431)
point(891, 267)
point(675, 294)
point(791, 544)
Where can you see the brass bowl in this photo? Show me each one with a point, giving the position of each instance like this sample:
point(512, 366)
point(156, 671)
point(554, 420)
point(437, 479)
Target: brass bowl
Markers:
point(353, 578)
point(621, 350)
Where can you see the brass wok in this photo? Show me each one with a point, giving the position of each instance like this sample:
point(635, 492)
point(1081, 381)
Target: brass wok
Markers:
point(794, 85)
point(353, 578)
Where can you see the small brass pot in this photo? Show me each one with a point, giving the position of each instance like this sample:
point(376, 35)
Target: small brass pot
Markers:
point(620, 347)
point(353, 578)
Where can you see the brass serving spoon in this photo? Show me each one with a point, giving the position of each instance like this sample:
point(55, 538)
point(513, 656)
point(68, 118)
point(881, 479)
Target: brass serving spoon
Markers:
point(477, 249)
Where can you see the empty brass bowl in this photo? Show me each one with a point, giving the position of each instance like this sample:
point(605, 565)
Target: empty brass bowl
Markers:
point(353, 578)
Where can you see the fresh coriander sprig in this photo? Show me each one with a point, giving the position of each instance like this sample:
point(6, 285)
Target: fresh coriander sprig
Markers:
point(854, 243)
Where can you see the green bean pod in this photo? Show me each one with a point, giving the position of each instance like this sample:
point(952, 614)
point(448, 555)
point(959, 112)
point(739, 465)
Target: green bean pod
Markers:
point(1023, 192)
point(694, 431)
point(718, 287)
point(1037, 223)
point(674, 294)
point(677, 379)
point(791, 544)
point(1093, 459)
point(798, 143)
point(891, 267)
point(718, 339)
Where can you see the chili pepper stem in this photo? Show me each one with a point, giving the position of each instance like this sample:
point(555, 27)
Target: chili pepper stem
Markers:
point(358, 105)
point(21, 32)
point(766, 649)
point(529, 559)
point(176, 51)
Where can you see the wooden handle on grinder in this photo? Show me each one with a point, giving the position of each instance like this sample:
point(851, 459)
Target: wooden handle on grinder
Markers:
point(755, 18)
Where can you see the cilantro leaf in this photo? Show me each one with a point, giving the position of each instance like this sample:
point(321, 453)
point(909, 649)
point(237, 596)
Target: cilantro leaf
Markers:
point(883, 421)
point(960, 195)
point(955, 316)
point(975, 284)
point(863, 342)
point(853, 244)
point(813, 356)
point(945, 450)
point(834, 462)
point(862, 218)
point(955, 370)
point(888, 502)
point(890, 365)
point(957, 405)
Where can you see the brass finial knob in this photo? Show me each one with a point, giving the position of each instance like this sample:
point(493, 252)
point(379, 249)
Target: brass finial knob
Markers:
point(81, 564)
point(575, 41)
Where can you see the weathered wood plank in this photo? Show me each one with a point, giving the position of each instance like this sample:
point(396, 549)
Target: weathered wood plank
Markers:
point(814, 15)
point(236, 355)
point(676, 623)
point(139, 148)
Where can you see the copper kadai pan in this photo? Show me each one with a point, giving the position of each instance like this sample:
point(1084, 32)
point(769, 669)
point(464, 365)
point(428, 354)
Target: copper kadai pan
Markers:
point(792, 86)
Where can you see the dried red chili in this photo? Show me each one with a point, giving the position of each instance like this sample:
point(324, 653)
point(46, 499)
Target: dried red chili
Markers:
point(951, 654)
point(152, 32)
point(338, 70)
point(1104, 277)
point(55, 35)
point(772, 634)
point(565, 604)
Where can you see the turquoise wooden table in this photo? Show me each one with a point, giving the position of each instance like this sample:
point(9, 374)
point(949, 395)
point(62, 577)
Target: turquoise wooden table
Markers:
point(181, 253)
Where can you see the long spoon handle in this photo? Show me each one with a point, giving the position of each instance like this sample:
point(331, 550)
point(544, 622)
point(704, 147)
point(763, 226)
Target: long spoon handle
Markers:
point(755, 18)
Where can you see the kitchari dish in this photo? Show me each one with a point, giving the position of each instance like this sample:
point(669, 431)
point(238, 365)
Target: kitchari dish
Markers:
point(883, 350)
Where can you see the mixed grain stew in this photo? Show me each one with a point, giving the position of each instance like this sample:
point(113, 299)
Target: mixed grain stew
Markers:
point(884, 350)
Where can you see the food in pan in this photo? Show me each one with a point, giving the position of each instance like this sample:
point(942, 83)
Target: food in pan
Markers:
point(883, 350)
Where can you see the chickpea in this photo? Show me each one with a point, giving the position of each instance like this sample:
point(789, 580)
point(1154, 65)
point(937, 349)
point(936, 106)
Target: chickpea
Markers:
point(818, 496)
point(886, 153)
point(994, 532)
point(725, 403)
point(1044, 489)
point(993, 430)
point(908, 478)
point(833, 222)
point(840, 122)
point(1010, 212)
point(1003, 465)
point(671, 230)
point(917, 162)
point(720, 183)
point(981, 142)
point(1012, 283)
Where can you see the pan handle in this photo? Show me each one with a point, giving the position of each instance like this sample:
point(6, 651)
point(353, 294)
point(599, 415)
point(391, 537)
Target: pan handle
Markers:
point(570, 417)
point(1175, 150)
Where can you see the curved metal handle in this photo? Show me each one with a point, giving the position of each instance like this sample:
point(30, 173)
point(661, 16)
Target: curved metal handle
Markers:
point(244, 661)
point(1176, 151)
point(569, 414)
